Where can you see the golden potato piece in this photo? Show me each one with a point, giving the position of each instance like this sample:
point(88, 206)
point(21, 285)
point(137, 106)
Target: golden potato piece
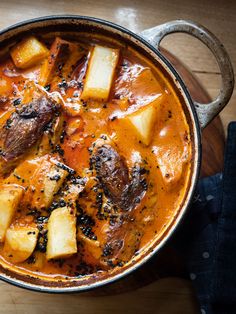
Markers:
point(61, 234)
point(28, 52)
point(52, 183)
point(100, 73)
point(20, 243)
point(143, 121)
point(10, 197)
point(46, 182)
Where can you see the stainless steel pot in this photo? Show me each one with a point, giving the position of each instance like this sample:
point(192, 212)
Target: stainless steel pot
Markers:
point(198, 116)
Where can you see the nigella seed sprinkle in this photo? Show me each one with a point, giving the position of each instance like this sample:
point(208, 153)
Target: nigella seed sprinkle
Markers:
point(17, 102)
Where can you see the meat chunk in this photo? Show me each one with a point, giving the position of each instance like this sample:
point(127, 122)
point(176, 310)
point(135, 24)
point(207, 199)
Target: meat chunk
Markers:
point(123, 241)
point(112, 171)
point(25, 127)
point(117, 233)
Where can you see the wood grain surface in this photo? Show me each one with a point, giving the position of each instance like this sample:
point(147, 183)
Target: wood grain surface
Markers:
point(168, 295)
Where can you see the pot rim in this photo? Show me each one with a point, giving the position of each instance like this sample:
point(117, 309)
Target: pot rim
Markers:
point(193, 179)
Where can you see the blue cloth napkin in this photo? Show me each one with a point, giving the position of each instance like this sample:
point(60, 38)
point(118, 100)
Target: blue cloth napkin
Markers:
point(207, 239)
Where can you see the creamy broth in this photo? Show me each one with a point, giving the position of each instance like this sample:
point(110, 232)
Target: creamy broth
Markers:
point(95, 155)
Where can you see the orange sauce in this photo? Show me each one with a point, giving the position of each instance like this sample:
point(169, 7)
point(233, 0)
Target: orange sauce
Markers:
point(166, 158)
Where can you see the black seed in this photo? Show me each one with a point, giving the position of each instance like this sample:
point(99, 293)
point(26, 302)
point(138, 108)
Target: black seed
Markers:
point(8, 124)
point(113, 118)
point(58, 150)
point(107, 251)
point(17, 176)
point(64, 167)
point(17, 102)
point(56, 178)
point(47, 87)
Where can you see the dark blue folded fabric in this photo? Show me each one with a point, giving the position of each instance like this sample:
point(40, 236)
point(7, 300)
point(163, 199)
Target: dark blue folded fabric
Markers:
point(207, 239)
point(224, 269)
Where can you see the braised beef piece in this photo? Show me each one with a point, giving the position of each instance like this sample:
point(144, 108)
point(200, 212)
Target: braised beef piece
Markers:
point(112, 171)
point(123, 241)
point(25, 126)
point(124, 191)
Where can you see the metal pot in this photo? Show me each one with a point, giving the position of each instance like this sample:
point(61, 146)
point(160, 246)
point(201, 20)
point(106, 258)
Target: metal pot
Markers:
point(198, 116)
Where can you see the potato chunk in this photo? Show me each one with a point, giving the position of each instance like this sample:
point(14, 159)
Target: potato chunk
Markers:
point(28, 52)
point(52, 183)
point(46, 182)
point(10, 197)
point(143, 120)
point(100, 73)
point(61, 234)
point(20, 243)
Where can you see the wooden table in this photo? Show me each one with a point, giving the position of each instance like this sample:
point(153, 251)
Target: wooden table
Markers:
point(168, 295)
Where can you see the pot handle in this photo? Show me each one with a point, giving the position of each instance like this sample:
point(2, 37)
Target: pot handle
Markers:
point(205, 112)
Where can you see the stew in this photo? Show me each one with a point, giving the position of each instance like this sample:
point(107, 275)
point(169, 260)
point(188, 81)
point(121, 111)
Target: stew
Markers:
point(95, 155)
